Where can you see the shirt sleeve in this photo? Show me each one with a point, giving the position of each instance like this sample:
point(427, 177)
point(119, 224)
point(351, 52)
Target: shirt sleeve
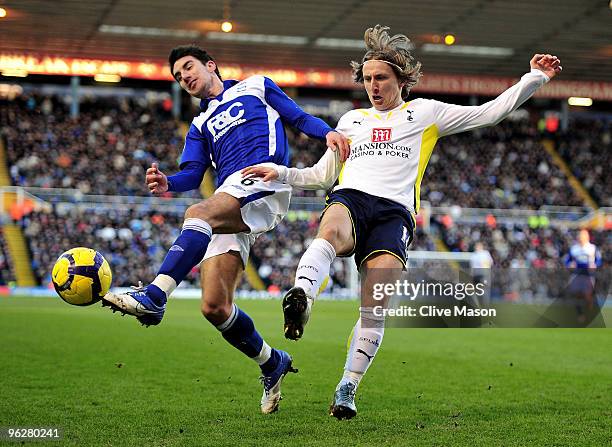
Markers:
point(598, 260)
point(195, 160)
point(188, 178)
point(291, 113)
point(320, 176)
point(197, 148)
point(568, 260)
point(452, 118)
point(344, 123)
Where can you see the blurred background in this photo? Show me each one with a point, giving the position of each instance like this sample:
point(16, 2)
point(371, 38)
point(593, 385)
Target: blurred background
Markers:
point(87, 103)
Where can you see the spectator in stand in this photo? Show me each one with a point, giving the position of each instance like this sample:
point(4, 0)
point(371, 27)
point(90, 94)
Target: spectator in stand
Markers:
point(7, 276)
point(587, 148)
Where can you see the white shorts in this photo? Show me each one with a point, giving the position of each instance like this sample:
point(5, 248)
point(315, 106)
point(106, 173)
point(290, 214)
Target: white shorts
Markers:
point(262, 204)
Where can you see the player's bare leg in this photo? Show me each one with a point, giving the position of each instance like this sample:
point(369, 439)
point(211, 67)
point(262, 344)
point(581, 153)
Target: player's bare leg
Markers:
point(221, 211)
point(367, 335)
point(335, 236)
point(220, 277)
point(219, 214)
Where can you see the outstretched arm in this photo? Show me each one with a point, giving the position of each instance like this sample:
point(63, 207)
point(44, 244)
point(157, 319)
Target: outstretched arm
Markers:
point(452, 118)
point(187, 179)
point(320, 176)
point(547, 64)
point(310, 125)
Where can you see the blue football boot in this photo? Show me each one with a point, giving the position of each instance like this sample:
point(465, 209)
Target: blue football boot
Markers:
point(137, 303)
point(272, 383)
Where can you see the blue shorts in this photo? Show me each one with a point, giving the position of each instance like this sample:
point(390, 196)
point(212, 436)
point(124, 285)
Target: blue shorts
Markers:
point(581, 285)
point(379, 225)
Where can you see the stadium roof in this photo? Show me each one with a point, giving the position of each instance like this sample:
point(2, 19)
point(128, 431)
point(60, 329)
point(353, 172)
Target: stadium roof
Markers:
point(320, 33)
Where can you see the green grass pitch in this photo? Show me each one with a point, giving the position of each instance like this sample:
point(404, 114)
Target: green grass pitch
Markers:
point(105, 380)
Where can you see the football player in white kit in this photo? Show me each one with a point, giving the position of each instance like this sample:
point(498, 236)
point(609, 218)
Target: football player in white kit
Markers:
point(371, 211)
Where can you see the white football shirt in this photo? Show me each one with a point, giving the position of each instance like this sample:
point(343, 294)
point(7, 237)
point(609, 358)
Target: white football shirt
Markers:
point(390, 150)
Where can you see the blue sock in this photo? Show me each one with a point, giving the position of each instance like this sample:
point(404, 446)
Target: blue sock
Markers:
point(271, 364)
point(186, 252)
point(240, 332)
point(157, 295)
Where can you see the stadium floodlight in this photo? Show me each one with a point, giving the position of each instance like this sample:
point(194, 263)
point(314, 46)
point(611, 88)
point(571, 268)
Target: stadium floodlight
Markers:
point(14, 72)
point(332, 43)
point(257, 38)
point(467, 50)
point(578, 101)
point(148, 31)
point(339, 44)
point(104, 77)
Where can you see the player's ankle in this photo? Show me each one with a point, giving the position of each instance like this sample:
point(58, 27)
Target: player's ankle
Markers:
point(156, 294)
point(350, 377)
point(271, 364)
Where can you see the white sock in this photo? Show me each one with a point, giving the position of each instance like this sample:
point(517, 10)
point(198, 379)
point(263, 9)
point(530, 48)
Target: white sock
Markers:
point(230, 320)
point(314, 267)
point(193, 223)
point(264, 354)
point(166, 283)
point(365, 341)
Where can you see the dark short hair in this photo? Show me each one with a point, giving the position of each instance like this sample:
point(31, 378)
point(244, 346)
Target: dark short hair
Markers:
point(190, 50)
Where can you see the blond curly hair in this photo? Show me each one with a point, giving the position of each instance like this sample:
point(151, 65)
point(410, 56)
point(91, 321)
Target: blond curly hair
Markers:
point(395, 51)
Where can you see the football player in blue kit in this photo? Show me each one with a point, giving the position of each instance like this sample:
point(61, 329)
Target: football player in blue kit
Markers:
point(240, 124)
point(584, 258)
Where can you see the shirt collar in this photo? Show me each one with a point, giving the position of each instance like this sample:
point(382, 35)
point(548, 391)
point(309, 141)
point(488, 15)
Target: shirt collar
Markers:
point(226, 84)
point(399, 106)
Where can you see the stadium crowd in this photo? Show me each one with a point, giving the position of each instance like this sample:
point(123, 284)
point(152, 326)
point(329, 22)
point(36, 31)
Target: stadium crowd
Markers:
point(134, 242)
point(521, 245)
point(528, 261)
point(496, 167)
point(7, 276)
point(107, 149)
point(277, 253)
point(117, 139)
point(104, 151)
point(588, 152)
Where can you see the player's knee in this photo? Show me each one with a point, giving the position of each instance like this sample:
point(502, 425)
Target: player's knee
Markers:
point(330, 233)
point(215, 312)
point(334, 235)
point(198, 211)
